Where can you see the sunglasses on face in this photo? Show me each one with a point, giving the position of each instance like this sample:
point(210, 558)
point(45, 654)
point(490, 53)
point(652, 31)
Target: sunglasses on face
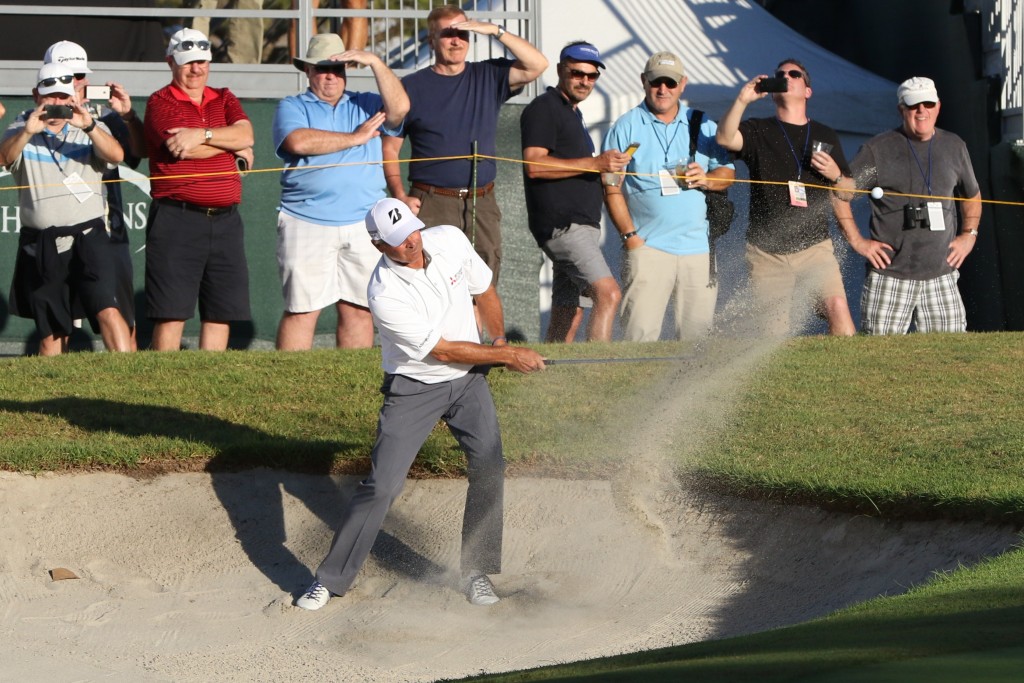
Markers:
point(50, 82)
point(792, 73)
point(453, 33)
point(186, 45)
point(80, 77)
point(336, 69)
point(667, 82)
point(591, 76)
point(926, 105)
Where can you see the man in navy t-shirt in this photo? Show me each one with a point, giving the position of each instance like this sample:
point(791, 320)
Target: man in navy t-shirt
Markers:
point(455, 103)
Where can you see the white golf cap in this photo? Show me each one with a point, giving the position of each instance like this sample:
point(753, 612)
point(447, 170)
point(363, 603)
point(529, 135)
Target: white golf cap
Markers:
point(392, 221)
point(55, 78)
point(916, 90)
point(70, 54)
point(189, 45)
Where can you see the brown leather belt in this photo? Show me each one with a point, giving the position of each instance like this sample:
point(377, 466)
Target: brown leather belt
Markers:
point(208, 210)
point(460, 192)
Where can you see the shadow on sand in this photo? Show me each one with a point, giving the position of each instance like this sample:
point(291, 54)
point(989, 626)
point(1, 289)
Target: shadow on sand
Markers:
point(252, 498)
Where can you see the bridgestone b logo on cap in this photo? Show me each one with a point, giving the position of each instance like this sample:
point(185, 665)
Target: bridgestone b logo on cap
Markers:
point(395, 215)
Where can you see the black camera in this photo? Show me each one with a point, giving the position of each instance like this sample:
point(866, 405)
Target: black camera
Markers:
point(772, 85)
point(58, 111)
point(915, 216)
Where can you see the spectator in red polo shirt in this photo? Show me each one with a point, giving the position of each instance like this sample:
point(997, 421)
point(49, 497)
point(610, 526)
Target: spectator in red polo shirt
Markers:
point(194, 238)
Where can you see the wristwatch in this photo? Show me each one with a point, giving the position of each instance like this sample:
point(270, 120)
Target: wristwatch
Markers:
point(972, 231)
point(208, 135)
point(500, 33)
point(632, 233)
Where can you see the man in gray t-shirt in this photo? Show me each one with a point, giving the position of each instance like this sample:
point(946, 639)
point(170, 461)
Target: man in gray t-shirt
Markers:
point(916, 244)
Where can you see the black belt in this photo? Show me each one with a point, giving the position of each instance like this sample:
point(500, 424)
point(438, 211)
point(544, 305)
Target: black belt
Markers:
point(208, 210)
point(460, 192)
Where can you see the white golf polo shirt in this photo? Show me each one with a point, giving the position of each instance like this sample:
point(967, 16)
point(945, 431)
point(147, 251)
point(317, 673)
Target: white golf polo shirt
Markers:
point(414, 309)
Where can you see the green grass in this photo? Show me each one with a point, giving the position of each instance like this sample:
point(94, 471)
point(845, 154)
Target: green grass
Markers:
point(312, 411)
point(924, 426)
point(960, 624)
point(927, 426)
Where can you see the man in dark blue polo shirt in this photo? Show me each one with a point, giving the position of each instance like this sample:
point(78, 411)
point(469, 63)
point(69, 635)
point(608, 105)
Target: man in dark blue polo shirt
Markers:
point(562, 177)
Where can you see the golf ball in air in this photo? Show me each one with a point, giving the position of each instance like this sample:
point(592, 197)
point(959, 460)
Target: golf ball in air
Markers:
point(876, 193)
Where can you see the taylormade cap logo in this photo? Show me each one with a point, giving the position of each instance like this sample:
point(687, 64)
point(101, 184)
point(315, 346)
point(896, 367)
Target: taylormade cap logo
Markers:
point(391, 221)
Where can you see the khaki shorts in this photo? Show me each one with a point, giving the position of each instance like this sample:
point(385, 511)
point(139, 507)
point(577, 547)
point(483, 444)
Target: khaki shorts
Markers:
point(651, 279)
point(321, 265)
point(801, 281)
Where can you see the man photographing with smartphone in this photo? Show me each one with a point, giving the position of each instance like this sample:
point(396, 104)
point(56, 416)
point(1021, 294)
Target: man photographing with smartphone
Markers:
point(112, 106)
point(63, 266)
point(789, 249)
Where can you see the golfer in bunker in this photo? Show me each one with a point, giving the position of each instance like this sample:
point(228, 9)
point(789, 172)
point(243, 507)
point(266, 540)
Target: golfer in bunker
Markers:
point(421, 297)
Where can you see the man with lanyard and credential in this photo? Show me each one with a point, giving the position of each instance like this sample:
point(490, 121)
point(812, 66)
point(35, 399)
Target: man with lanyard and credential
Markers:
point(795, 163)
point(916, 245)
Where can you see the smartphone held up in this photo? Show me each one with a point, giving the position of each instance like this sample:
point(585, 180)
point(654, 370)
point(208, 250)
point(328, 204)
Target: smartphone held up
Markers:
point(771, 85)
point(97, 92)
point(57, 111)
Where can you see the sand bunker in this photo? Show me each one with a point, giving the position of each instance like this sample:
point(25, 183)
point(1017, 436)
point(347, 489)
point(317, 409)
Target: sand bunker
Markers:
point(190, 577)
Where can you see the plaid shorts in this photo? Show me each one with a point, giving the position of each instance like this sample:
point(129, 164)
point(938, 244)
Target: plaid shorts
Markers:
point(888, 305)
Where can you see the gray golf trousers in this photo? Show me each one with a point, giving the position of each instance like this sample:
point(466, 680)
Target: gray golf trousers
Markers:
point(411, 410)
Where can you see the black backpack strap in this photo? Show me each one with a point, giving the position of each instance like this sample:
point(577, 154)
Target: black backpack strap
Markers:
point(696, 118)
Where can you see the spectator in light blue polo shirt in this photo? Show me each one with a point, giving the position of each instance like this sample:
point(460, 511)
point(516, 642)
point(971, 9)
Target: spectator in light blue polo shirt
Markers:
point(659, 210)
point(330, 142)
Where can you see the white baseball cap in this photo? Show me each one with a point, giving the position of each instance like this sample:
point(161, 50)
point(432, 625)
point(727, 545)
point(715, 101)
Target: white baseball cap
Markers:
point(70, 54)
point(916, 90)
point(189, 45)
point(392, 221)
point(55, 78)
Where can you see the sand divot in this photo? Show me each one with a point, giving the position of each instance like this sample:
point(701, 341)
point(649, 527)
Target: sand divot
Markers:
point(62, 574)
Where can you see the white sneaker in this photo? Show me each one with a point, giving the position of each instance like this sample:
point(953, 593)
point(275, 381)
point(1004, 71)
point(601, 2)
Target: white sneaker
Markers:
point(481, 590)
point(315, 597)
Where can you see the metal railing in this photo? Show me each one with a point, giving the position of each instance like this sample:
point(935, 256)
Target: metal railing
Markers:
point(1003, 43)
point(397, 32)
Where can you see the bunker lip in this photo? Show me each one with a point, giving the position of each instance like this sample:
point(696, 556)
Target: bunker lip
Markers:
point(191, 576)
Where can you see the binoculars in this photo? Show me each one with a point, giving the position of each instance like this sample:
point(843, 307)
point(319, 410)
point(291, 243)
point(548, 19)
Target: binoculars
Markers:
point(915, 216)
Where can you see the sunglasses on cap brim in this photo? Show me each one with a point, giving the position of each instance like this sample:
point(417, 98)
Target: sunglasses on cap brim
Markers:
point(50, 82)
point(186, 45)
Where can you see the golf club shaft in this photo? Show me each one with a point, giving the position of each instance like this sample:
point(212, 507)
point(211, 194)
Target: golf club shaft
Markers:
point(642, 359)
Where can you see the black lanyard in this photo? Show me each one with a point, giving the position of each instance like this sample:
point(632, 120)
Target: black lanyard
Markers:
point(807, 142)
point(46, 141)
point(667, 145)
point(927, 176)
